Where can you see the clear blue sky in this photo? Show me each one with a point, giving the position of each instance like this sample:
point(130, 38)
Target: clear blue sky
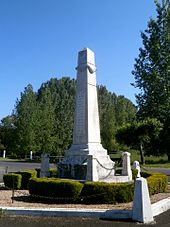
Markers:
point(39, 39)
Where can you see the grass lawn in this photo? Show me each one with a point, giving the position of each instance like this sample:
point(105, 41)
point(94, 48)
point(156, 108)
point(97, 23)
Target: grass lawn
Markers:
point(151, 161)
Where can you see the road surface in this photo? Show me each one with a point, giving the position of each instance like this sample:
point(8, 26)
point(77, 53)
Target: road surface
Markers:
point(11, 166)
point(162, 220)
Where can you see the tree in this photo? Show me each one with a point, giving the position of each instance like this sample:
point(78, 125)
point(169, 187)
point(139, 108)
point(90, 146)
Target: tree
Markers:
point(140, 135)
point(8, 134)
point(46, 127)
point(152, 72)
point(26, 121)
point(114, 111)
point(62, 96)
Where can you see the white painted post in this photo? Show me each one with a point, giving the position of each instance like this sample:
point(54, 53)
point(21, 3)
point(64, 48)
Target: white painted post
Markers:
point(136, 166)
point(4, 154)
point(30, 155)
point(142, 210)
point(92, 174)
point(45, 165)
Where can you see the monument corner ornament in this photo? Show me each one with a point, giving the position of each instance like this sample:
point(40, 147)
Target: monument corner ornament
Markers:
point(86, 159)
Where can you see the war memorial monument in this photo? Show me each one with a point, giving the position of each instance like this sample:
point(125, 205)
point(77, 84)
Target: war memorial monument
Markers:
point(87, 159)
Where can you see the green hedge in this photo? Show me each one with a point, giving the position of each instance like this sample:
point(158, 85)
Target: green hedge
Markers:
point(62, 190)
point(53, 172)
point(110, 193)
point(157, 182)
point(26, 175)
point(12, 180)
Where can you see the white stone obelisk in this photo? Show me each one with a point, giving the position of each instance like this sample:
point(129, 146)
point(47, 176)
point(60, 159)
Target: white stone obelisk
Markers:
point(86, 133)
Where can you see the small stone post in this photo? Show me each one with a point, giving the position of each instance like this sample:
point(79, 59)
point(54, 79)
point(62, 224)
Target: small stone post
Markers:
point(142, 210)
point(30, 155)
point(126, 170)
point(4, 154)
point(92, 174)
point(45, 165)
point(137, 167)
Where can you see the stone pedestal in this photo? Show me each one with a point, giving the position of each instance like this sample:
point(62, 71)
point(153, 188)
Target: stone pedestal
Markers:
point(142, 210)
point(86, 159)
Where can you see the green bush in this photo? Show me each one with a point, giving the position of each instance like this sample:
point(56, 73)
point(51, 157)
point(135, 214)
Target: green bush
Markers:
point(62, 190)
point(12, 180)
point(53, 172)
point(110, 193)
point(157, 182)
point(94, 192)
point(26, 175)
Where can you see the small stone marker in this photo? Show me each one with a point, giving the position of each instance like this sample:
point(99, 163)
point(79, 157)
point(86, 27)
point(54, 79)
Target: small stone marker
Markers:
point(136, 166)
point(142, 210)
point(126, 167)
point(45, 165)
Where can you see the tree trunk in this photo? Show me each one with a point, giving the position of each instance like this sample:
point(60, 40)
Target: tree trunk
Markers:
point(142, 154)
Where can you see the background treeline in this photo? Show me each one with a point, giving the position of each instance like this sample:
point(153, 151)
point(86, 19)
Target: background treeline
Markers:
point(42, 121)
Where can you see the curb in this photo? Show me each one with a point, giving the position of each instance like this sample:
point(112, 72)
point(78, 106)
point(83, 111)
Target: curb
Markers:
point(161, 206)
point(157, 209)
point(69, 212)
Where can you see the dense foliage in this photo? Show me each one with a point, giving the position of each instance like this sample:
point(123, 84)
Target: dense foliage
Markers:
point(61, 190)
point(43, 121)
point(152, 73)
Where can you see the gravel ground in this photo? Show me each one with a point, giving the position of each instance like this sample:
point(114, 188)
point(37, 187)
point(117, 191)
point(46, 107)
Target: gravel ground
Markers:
point(22, 199)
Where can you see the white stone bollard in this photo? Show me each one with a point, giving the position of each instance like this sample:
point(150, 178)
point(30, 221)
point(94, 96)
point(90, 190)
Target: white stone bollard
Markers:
point(142, 210)
point(126, 167)
point(136, 166)
point(92, 174)
point(4, 154)
point(45, 165)
point(30, 155)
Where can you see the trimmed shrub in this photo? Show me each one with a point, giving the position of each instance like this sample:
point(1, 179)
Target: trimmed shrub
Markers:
point(157, 182)
point(53, 172)
point(62, 190)
point(26, 175)
point(110, 193)
point(12, 180)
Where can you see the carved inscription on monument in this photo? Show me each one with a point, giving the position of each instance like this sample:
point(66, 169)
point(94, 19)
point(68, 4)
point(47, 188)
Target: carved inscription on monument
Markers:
point(80, 120)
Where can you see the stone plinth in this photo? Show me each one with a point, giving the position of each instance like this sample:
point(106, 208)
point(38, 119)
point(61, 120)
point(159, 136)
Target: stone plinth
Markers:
point(86, 159)
point(142, 210)
point(126, 167)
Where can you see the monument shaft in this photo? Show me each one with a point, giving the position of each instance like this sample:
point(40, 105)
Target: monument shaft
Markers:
point(86, 121)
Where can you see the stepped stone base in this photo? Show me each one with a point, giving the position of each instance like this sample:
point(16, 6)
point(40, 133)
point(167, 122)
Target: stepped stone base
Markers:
point(87, 162)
